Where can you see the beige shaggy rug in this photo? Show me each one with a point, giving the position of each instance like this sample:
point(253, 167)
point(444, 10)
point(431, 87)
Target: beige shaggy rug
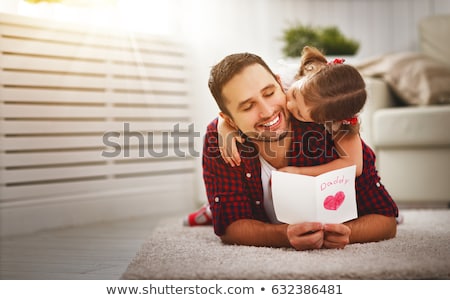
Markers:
point(421, 250)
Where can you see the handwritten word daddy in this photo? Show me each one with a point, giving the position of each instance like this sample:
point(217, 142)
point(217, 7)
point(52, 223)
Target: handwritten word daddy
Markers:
point(340, 180)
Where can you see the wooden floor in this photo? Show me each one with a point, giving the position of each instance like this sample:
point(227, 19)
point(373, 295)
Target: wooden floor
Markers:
point(98, 251)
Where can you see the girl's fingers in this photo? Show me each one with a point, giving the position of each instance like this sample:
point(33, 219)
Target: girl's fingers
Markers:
point(230, 153)
point(235, 153)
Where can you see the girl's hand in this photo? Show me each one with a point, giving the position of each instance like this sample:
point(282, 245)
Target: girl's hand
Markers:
point(228, 137)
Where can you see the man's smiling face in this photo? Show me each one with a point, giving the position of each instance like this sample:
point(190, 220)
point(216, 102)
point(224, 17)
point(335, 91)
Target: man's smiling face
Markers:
point(257, 104)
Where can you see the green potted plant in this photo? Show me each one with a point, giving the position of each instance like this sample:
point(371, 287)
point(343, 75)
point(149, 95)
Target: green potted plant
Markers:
point(328, 39)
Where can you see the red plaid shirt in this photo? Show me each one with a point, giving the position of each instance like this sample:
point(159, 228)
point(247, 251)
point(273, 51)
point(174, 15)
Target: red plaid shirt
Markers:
point(236, 192)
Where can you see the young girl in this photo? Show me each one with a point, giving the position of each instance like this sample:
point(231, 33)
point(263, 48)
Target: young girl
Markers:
point(331, 94)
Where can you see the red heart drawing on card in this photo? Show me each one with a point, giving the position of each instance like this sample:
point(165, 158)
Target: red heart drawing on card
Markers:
point(334, 202)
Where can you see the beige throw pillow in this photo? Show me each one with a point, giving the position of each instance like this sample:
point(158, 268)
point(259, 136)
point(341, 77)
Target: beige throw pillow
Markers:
point(415, 78)
point(420, 81)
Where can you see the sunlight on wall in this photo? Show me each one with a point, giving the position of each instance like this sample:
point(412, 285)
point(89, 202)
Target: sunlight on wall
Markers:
point(145, 16)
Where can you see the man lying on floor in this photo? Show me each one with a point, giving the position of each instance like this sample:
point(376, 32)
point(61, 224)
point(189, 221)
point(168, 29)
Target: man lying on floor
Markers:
point(252, 100)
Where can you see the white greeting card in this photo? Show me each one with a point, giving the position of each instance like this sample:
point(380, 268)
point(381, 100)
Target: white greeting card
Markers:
point(327, 198)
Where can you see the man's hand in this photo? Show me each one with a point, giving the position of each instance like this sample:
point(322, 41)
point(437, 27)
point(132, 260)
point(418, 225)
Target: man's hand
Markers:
point(305, 236)
point(336, 236)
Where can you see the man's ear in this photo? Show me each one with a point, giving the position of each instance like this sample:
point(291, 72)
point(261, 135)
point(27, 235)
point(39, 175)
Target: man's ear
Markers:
point(228, 120)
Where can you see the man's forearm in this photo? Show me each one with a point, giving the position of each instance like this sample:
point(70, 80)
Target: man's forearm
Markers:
point(372, 228)
point(256, 233)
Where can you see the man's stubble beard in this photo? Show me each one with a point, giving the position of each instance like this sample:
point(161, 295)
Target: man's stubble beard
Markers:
point(265, 139)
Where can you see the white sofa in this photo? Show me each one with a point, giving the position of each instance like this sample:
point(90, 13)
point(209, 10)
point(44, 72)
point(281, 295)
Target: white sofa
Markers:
point(412, 140)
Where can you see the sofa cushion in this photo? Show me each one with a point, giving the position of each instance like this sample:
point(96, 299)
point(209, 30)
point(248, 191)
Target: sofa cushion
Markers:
point(412, 126)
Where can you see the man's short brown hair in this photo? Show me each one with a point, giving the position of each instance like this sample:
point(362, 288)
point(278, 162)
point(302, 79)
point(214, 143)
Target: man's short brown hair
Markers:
point(226, 69)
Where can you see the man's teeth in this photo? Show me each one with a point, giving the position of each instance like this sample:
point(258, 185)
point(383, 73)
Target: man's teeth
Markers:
point(272, 122)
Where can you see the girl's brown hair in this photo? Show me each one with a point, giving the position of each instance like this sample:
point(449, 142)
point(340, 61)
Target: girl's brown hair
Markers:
point(335, 92)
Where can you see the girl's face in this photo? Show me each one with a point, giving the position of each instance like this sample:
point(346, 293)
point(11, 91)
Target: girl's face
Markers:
point(296, 102)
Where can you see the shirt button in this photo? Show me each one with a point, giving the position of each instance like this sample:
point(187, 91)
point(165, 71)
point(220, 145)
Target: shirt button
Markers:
point(258, 202)
point(216, 199)
point(378, 184)
point(248, 175)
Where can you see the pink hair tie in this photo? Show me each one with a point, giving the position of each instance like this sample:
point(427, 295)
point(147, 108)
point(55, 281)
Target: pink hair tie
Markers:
point(336, 61)
point(351, 121)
